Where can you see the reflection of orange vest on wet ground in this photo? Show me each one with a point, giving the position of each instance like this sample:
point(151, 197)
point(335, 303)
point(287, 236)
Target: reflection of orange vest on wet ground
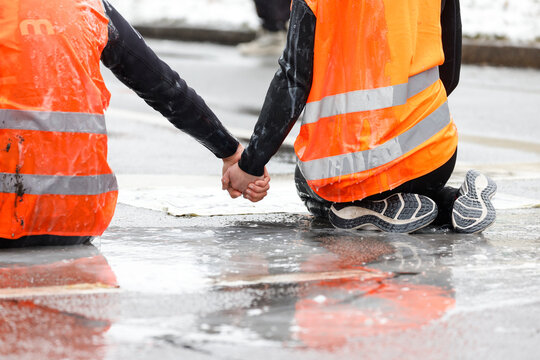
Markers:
point(334, 312)
point(53, 144)
point(27, 321)
point(378, 308)
point(377, 114)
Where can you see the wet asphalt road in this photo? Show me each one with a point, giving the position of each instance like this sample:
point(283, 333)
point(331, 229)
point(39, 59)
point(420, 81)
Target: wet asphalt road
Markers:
point(274, 286)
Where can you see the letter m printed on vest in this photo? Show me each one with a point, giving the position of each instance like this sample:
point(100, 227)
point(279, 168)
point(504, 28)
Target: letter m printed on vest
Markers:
point(36, 27)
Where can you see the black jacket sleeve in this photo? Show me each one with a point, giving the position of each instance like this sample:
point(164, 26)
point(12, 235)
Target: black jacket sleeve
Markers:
point(451, 39)
point(137, 66)
point(287, 94)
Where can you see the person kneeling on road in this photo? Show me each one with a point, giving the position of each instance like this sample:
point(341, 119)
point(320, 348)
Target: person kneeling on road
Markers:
point(377, 142)
point(56, 185)
point(270, 39)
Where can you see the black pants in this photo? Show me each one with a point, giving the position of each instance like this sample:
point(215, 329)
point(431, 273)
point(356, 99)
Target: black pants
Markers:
point(43, 240)
point(273, 13)
point(431, 185)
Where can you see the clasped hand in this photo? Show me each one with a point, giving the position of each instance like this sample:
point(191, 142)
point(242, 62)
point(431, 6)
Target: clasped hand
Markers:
point(237, 182)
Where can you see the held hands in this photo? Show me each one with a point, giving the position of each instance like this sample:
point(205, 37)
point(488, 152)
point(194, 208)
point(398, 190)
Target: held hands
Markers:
point(237, 182)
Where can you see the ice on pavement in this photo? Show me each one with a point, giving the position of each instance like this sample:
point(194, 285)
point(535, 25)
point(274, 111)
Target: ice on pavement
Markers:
point(517, 20)
point(202, 196)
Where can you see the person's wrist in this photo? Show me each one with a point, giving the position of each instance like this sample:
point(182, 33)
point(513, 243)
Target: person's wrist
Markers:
point(234, 158)
point(244, 166)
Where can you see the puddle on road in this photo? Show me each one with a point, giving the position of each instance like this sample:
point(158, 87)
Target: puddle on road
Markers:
point(278, 282)
point(51, 302)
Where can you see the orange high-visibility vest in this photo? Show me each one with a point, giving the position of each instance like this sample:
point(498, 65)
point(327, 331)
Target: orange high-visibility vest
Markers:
point(54, 176)
point(377, 114)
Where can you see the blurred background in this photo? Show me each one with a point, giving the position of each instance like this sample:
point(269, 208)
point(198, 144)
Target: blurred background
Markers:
point(516, 20)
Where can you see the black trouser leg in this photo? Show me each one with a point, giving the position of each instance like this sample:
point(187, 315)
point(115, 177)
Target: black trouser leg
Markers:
point(273, 13)
point(445, 199)
point(431, 185)
point(44, 240)
point(316, 205)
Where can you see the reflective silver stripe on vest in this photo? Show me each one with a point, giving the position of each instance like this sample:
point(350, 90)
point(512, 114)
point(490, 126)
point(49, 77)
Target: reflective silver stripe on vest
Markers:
point(57, 185)
point(52, 121)
point(372, 99)
point(351, 163)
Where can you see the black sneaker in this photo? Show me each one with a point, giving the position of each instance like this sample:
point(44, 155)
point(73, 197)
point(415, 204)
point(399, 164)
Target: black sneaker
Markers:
point(473, 211)
point(398, 213)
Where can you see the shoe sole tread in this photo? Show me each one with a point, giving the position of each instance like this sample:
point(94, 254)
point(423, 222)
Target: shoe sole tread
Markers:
point(403, 213)
point(473, 210)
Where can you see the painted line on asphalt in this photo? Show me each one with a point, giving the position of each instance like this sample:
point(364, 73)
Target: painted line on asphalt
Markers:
point(168, 193)
point(78, 289)
point(250, 280)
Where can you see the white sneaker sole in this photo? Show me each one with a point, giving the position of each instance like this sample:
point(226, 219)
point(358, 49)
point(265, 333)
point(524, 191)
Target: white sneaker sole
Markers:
point(398, 213)
point(473, 211)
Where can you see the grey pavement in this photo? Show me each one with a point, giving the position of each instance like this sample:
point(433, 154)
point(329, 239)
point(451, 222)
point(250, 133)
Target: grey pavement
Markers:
point(185, 272)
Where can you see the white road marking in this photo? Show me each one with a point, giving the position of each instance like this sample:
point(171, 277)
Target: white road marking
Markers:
point(78, 289)
point(245, 280)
